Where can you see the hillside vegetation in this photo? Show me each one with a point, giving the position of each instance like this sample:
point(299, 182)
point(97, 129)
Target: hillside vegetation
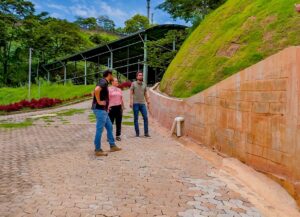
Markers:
point(238, 34)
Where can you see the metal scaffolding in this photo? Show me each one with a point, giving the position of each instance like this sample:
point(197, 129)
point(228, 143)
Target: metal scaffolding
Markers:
point(123, 56)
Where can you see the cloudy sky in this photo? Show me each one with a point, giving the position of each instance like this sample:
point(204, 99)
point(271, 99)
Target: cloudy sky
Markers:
point(117, 10)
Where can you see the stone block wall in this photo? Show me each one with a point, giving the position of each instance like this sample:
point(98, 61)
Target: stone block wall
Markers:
point(253, 115)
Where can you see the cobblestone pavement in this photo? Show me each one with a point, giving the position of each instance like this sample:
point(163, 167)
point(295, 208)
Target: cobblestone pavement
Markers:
point(49, 169)
point(215, 199)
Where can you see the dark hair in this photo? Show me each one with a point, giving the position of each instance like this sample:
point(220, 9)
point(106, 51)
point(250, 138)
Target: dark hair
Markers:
point(107, 72)
point(138, 73)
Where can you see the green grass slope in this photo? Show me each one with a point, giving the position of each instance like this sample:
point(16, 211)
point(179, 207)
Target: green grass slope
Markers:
point(11, 95)
point(235, 36)
point(86, 34)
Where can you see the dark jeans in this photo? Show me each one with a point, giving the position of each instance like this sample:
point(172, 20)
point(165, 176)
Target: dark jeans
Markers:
point(103, 121)
point(143, 109)
point(116, 113)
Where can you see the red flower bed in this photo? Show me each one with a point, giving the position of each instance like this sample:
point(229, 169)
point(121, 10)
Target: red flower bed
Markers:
point(124, 85)
point(33, 104)
point(37, 104)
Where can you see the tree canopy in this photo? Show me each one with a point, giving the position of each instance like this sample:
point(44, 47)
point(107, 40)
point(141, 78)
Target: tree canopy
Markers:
point(87, 23)
point(136, 23)
point(189, 10)
point(22, 28)
point(106, 23)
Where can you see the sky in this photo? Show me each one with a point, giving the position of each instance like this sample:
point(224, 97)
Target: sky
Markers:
point(118, 10)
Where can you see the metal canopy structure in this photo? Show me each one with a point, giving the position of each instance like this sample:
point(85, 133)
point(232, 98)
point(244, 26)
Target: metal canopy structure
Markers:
point(126, 55)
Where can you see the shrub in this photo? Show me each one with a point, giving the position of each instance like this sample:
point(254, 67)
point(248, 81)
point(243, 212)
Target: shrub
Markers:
point(36, 104)
point(33, 104)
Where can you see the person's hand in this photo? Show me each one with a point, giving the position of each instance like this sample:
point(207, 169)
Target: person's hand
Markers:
point(131, 105)
point(102, 102)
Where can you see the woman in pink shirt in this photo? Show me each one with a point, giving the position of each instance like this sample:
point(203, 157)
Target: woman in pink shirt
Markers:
point(116, 106)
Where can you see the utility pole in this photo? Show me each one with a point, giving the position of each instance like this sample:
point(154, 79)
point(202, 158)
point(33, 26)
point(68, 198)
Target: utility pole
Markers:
point(148, 9)
point(152, 18)
point(85, 71)
point(145, 71)
point(65, 73)
point(37, 75)
point(29, 73)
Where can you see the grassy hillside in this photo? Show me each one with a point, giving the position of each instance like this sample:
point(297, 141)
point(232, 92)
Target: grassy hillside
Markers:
point(11, 95)
point(237, 35)
point(85, 34)
point(107, 35)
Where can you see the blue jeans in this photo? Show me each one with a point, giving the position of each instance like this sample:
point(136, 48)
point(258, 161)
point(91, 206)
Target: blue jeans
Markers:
point(103, 121)
point(136, 109)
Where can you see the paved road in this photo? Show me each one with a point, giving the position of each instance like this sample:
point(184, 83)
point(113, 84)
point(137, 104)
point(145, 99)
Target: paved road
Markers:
point(49, 169)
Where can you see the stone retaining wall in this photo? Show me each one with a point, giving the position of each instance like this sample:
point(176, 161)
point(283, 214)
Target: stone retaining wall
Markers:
point(253, 115)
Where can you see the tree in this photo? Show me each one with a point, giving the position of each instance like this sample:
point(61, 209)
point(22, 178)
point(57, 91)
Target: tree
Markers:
point(11, 14)
point(189, 10)
point(136, 23)
point(120, 31)
point(161, 52)
point(64, 39)
point(106, 23)
point(89, 23)
point(99, 39)
point(51, 38)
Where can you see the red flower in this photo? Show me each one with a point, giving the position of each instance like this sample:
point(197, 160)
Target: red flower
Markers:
point(41, 103)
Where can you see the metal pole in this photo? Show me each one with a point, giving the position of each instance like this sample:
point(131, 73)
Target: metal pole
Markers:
point(85, 72)
point(39, 83)
point(108, 62)
point(145, 61)
point(148, 9)
point(48, 73)
point(29, 73)
point(138, 65)
point(152, 18)
point(111, 60)
point(65, 74)
point(127, 63)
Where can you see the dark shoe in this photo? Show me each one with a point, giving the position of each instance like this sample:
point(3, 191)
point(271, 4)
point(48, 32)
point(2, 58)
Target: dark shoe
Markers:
point(115, 148)
point(118, 138)
point(137, 135)
point(100, 153)
point(147, 135)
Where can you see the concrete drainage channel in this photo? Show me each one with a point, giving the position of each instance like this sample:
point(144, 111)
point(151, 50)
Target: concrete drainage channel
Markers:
point(257, 189)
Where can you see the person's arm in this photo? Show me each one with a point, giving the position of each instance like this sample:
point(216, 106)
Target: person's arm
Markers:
point(109, 103)
point(122, 99)
point(123, 105)
point(131, 95)
point(97, 95)
point(147, 97)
